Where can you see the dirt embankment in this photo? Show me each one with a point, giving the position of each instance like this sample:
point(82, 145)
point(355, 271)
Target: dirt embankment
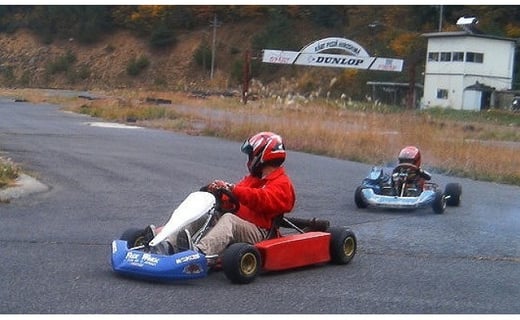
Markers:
point(25, 60)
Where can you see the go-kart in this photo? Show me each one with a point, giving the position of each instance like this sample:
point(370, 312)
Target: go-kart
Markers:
point(290, 243)
point(401, 190)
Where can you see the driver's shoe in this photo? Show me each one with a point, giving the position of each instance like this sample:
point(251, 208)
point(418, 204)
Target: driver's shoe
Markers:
point(164, 248)
point(149, 233)
point(184, 241)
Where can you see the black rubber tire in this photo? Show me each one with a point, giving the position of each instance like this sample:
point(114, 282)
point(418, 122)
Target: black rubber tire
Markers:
point(453, 191)
point(343, 245)
point(134, 237)
point(439, 203)
point(241, 263)
point(359, 199)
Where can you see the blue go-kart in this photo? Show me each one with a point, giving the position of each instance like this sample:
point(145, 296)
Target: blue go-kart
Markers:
point(401, 190)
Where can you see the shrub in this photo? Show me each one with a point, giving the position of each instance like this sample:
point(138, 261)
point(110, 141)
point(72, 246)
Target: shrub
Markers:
point(62, 63)
point(137, 65)
point(8, 173)
point(202, 56)
point(162, 37)
point(9, 75)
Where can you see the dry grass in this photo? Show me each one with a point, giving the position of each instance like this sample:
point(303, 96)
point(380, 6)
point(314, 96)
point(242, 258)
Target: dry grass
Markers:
point(8, 173)
point(358, 132)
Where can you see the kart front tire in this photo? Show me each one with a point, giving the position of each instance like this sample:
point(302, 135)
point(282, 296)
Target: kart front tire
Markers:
point(453, 192)
point(241, 263)
point(439, 202)
point(134, 237)
point(343, 245)
point(359, 199)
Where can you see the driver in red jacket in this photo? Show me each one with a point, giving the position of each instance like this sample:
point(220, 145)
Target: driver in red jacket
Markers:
point(264, 194)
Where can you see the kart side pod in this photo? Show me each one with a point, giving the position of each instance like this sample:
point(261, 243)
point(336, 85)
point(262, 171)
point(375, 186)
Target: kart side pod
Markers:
point(136, 263)
point(295, 251)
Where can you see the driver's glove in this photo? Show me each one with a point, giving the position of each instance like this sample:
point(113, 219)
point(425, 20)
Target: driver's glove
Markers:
point(219, 184)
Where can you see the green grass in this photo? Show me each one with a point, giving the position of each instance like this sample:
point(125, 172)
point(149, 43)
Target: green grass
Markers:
point(8, 173)
point(491, 116)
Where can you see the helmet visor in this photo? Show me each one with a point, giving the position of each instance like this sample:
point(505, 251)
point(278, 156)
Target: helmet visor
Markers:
point(247, 148)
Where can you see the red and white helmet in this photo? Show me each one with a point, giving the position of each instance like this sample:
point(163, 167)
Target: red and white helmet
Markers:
point(264, 148)
point(410, 154)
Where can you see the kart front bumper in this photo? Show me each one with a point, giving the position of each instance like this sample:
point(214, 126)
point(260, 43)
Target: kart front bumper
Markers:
point(137, 263)
point(393, 202)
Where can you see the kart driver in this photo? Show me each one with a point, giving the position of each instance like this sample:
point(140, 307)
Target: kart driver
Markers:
point(412, 155)
point(264, 194)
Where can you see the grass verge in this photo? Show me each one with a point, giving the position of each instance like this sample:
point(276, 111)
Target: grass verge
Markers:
point(478, 145)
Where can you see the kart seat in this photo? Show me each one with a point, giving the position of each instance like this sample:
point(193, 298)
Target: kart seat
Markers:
point(274, 231)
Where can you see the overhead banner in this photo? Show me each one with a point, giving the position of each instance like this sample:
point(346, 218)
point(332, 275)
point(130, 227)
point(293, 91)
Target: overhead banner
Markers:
point(312, 55)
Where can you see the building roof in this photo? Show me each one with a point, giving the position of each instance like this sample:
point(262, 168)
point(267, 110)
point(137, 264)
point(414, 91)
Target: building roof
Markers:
point(393, 84)
point(453, 34)
point(480, 87)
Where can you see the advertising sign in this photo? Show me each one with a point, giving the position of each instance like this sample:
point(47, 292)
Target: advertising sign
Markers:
point(314, 55)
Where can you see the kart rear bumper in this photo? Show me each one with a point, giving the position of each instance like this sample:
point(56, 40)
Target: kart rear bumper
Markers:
point(394, 202)
point(136, 263)
point(293, 251)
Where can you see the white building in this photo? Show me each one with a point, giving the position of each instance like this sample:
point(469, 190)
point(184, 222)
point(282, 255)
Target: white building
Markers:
point(463, 69)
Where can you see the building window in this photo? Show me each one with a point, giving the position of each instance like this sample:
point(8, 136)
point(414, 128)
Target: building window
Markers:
point(445, 56)
point(458, 56)
point(474, 57)
point(433, 56)
point(442, 94)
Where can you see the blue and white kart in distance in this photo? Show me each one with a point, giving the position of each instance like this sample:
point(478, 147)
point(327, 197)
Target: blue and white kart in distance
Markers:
point(398, 190)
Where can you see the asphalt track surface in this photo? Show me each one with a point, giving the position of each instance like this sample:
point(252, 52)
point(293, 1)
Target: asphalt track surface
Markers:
point(55, 245)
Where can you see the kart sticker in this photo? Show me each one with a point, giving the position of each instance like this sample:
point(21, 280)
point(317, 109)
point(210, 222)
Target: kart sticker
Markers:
point(192, 268)
point(114, 246)
point(187, 258)
point(150, 260)
point(133, 258)
point(140, 260)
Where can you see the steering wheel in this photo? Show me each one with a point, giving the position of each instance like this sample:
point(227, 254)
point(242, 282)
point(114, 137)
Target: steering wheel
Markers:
point(219, 193)
point(407, 167)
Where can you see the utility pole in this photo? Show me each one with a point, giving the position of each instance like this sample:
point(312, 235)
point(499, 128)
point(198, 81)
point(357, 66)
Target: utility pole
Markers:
point(245, 85)
point(215, 24)
point(441, 9)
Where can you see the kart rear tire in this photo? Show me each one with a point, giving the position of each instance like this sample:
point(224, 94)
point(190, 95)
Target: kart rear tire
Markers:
point(359, 199)
point(343, 245)
point(439, 202)
point(134, 237)
point(241, 263)
point(453, 192)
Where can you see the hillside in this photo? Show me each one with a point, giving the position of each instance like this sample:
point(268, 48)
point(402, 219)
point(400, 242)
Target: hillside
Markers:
point(26, 61)
point(105, 61)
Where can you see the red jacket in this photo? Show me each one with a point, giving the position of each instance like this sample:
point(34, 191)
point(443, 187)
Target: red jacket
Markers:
point(261, 200)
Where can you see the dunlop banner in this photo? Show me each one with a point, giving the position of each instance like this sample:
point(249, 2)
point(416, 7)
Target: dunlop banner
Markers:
point(314, 55)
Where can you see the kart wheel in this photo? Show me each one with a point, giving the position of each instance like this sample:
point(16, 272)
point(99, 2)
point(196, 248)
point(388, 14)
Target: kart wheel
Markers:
point(343, 245)
point(134, 237)
point(453, 192)
point(241, 263)
point(439, 203)
point(359, 199)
